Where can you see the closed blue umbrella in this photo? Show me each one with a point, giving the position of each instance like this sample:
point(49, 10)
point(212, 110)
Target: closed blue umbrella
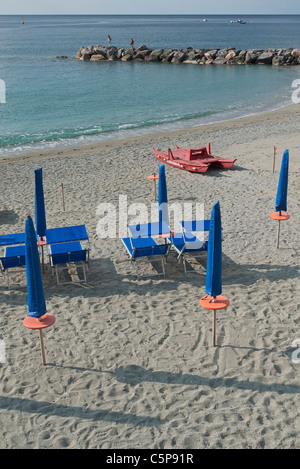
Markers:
point(37, 317)
point(214, 254)
point(163, 211)
point(213, 288)
point(36, 299)
point(40, 214)
point(281, 198)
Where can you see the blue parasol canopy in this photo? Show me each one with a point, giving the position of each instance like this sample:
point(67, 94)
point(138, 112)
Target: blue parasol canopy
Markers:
point(214, 254)
point(163, 211)
point(36, 299)
point(281, 198)
point(40, 215)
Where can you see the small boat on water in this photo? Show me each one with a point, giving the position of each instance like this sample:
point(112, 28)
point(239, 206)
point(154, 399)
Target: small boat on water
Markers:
point(196, 160)
point(169, 158)
point(238, 21)
point(203, 154)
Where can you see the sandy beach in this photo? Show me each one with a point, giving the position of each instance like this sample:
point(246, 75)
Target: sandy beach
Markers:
point(130, 362)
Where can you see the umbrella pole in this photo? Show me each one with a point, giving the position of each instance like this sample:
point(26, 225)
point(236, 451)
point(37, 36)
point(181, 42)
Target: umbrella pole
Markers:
point(278, 234)
point(155, 198)
point(214, 324)
point(214, 303)
point(214, 328)
point(43, 262)
point(63, 196)
point(42, 347)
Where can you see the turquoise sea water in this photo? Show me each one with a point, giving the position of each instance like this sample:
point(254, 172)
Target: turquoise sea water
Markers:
point(52, 103)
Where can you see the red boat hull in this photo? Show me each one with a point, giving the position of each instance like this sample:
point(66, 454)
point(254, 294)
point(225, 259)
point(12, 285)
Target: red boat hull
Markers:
point(192, 166)
point(203, 155)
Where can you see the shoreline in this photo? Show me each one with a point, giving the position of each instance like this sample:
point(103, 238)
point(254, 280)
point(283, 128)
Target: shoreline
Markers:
point(259, 117)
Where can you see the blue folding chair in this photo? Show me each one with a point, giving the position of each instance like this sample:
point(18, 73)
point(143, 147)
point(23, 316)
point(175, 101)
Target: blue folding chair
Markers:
point(65, 246)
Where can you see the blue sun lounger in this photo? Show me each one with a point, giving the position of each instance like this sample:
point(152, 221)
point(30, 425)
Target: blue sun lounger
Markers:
point(188, 246)
point(68, 245)
point(142, 247)
point(14, 254)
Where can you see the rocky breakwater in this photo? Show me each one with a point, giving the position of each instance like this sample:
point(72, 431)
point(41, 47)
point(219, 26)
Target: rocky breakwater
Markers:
point(228, 56)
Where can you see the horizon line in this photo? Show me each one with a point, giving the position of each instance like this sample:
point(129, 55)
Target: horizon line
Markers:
point(150, 14)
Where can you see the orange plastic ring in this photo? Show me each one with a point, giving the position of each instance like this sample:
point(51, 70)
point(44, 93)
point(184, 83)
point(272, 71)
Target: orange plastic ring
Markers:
point(220, 302)
point(282, 217)
point(39, 323)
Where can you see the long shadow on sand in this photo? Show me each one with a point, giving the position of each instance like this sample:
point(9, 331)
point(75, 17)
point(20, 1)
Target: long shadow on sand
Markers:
point(105, 280)
point(249, 274)
point(48, 408)
point(8, 217)
point(133, 375)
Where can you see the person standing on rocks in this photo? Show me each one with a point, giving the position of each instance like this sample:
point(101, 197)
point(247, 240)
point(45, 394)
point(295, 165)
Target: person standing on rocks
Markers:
point(132, 43)
point(109, 39)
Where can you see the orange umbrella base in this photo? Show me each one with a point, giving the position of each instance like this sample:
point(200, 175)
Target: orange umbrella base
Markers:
point(220, 302)
point(39, 323)
point(282, 217)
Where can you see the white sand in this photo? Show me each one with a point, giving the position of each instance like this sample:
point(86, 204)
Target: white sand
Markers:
point(130, 363)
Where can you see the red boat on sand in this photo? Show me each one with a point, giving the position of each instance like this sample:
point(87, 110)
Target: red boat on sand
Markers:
point(203, 155)
point(180, 162)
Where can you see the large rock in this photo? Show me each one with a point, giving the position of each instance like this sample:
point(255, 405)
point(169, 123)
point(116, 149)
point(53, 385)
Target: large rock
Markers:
point(178, 57)
point(129, 51)
point(167, 55)
point(85, 55)
point(222, 53)
point(141, 55)
point(265, 58)
point(99, 50)
point(213, 53)
point(97, 57)
point(295, 54)
point(230, 55)
point(142, 47)
point(251, 57)
point(126, 57)
point(111, 52)
point(78, 53)
point(120, 54)
point(220, 61)
point(154, 56)
point(278, 60)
